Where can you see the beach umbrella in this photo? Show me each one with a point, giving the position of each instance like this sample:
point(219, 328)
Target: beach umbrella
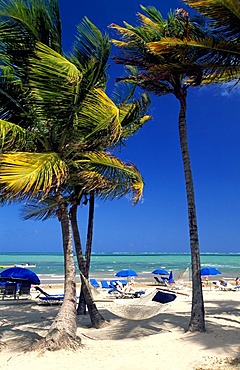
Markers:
point(160, 272)
point(126, 273)
point(20, 275)
point(206, 271)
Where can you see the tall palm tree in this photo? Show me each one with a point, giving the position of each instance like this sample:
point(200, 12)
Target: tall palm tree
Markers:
point(164, 70)
point(57, 138)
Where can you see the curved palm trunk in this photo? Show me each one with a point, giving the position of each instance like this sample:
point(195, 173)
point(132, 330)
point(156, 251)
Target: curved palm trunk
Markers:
point(90, 231)
point(97, 319)
point(81, 309)
point(197, 321)
point(63, 331)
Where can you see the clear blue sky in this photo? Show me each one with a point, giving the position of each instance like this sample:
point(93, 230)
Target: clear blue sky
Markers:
point(158, 223)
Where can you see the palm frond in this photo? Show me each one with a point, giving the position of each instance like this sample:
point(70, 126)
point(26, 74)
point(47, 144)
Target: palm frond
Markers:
point(24, 175)
point(133, 115)
point(218, 75)
point(123, 92)
point(154, 14)
point(35, 210)
point(91, 53)
point(210, 44)
point(13, 136)
point(224, 15)
point(98, 115)
point(55, 85)
point(128, 35)
point(157, 83)
point(39, 18)
point(109, 176)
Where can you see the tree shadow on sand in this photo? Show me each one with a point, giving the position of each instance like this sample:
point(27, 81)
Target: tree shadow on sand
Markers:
point(20, 326)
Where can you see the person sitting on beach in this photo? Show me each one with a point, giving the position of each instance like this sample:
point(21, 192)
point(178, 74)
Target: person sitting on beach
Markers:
point(223, 283)
point(237, 281)
point(129, 287)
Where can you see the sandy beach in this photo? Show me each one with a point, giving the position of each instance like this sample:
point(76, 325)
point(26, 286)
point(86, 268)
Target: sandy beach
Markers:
point(158, 343)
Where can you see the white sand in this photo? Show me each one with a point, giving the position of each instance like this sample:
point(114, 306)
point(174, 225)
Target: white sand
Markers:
point(158, 343)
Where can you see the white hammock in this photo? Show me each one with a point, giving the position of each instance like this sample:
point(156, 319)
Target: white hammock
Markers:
point(132, 309)
point(136, 308)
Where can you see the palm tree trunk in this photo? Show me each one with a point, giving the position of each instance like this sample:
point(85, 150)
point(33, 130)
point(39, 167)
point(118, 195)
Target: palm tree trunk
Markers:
point(197, 321)
point(81, 309)
point(97, 319)
point(90, 231)
point(63, 331)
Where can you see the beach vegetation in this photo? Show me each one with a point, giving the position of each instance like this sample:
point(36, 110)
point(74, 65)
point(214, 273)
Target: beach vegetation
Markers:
point(57, 128)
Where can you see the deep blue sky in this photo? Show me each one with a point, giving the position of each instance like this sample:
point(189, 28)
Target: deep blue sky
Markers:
point(158, 223)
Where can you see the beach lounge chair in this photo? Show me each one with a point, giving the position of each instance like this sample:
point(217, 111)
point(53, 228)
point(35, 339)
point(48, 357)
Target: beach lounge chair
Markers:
point(105, 284)
point(117, 293)
point(10, 290)
point(163, 281)
point(47, 298)
point(51, 299)
point(24, 290)
point(94, 283)
point(114, 290)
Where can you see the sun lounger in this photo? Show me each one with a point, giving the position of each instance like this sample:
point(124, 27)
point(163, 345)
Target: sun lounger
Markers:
point(51, 299)
point(24, 290)
point(94, 283)
point(124, 294)
point(161, 281)
point(105, 284)
point(9, 290)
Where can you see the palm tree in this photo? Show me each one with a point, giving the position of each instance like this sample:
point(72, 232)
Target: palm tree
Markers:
point(165, 70)
point(57, 137)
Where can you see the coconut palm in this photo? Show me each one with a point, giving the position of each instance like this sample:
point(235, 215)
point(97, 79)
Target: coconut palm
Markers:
point(165, 70)
point(29, 174)
point(59, 130)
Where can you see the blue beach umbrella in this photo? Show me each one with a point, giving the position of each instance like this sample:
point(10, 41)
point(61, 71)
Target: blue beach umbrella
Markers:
point(20, 275)
point(160, 272)
point(126, 273)
point(206, 271)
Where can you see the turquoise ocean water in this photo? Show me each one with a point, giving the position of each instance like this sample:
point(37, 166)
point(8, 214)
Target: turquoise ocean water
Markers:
point(49, 267)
